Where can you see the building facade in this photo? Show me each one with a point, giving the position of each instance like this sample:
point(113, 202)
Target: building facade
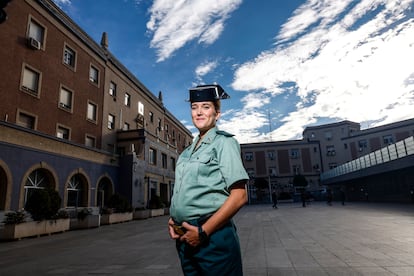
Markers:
point(274, 164)
point(72, 117)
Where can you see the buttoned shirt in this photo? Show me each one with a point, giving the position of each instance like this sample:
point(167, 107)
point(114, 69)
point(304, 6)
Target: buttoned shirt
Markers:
point(204, 175)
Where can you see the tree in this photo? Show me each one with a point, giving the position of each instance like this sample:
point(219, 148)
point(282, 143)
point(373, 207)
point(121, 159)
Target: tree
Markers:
point(300, 182)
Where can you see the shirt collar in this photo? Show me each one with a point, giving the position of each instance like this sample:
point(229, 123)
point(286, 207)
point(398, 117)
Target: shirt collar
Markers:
point(208, 138)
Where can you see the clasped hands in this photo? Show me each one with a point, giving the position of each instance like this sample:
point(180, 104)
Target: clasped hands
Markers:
point(188, 233)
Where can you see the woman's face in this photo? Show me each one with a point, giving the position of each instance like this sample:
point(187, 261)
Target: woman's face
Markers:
point(204, 115)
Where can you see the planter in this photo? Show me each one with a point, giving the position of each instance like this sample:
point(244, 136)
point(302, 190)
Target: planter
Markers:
point(142, 214)
point(157, 212)
point(34, 228)
point(116, 218)
point(90, 221)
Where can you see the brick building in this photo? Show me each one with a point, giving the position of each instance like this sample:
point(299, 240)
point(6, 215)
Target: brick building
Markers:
point(72, 117)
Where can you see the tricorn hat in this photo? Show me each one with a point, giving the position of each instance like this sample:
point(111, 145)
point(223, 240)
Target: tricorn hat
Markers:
point(207, 93)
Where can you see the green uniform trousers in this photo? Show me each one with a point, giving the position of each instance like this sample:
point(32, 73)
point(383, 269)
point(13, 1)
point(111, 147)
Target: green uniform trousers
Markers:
point(220, 255)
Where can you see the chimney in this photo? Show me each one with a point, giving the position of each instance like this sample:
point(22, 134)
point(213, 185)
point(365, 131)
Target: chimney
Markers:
point(104, 41)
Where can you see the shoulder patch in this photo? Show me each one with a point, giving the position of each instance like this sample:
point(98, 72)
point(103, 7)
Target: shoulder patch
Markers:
point(221, 132)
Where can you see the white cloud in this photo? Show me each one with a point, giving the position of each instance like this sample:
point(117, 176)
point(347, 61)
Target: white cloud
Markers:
point(352, 65)
point(177, 22)
point(205, 68)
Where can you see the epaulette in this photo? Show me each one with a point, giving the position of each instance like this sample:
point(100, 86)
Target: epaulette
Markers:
point(221, 132)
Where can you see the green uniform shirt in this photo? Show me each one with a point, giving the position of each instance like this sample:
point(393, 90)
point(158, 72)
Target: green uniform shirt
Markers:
point(204, 175)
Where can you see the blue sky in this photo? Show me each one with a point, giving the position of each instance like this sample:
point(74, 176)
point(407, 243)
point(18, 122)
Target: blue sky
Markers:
point(286, 64)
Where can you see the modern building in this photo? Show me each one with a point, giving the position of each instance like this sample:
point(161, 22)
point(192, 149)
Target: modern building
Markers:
point(72, 117)
point(273, 165)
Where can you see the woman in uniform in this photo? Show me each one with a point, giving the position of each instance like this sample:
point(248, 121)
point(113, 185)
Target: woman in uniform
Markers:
point(209, 190)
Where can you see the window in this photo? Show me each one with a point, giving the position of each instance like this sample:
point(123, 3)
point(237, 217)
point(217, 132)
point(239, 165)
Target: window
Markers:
point(111, 121)
point(36, 31)
point(127, 100)
point(330, 150)
point(112, 89)
point(62, 132)
point(26, 120)
point(294, 153)
point(248, 156)
point(164, 160)
point(141, 108)
point(126, 126)
point(90, 141)
point(75, 191)
point(328, 135)
point(151, 117)
point(296, 169)
point(91, 113)
point(69, 57)
point(65, 99)
point(152, 156)
point(271, 155)
point(37, 179)
point(251, 173)
point(31, 80)
point(362, 144)
point(159, 128)
point(173, 163)
point(388, 140)
point(93, 75)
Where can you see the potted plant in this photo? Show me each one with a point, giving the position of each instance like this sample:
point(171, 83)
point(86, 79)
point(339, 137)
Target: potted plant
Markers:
point(43, 206)
point(118, 210)
point(85, 217)
point(15, 217)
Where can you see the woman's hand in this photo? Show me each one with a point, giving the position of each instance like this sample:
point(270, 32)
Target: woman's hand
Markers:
point(191, 235)
point(171, 231)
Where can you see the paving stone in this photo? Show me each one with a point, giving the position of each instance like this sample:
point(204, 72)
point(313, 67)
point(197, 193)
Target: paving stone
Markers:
point(355, 239)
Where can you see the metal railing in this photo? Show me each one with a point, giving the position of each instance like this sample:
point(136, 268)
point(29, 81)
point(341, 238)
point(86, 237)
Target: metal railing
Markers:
point(391, 152)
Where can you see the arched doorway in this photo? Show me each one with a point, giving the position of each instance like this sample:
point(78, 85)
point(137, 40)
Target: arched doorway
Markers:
point(77, 191)
point(104, 192)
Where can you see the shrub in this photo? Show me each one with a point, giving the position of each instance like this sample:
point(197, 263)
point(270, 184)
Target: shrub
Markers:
point(156, 202)
point(119, 203)
point(299, 181)
point(43, 204)
point(15, 217)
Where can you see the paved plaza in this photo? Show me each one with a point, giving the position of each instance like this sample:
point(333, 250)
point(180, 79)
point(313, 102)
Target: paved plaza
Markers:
point(355, 239)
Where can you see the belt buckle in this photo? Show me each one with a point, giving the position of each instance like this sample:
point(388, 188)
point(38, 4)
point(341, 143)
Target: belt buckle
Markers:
point(179, 229)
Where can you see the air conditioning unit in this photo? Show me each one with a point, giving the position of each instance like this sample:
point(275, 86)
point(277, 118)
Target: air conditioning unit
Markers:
point(33, 43)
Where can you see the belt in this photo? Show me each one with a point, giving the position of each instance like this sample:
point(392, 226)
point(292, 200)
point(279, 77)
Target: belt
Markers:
point(196, 222)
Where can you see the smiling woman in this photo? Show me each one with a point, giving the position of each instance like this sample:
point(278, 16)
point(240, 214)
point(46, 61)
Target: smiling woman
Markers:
point(209, 191)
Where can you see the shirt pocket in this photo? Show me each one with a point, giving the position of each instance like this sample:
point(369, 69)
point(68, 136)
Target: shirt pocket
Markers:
point(207, 164)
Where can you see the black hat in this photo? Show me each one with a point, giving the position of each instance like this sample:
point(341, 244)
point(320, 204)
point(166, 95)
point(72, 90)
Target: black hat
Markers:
point(207, 93)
